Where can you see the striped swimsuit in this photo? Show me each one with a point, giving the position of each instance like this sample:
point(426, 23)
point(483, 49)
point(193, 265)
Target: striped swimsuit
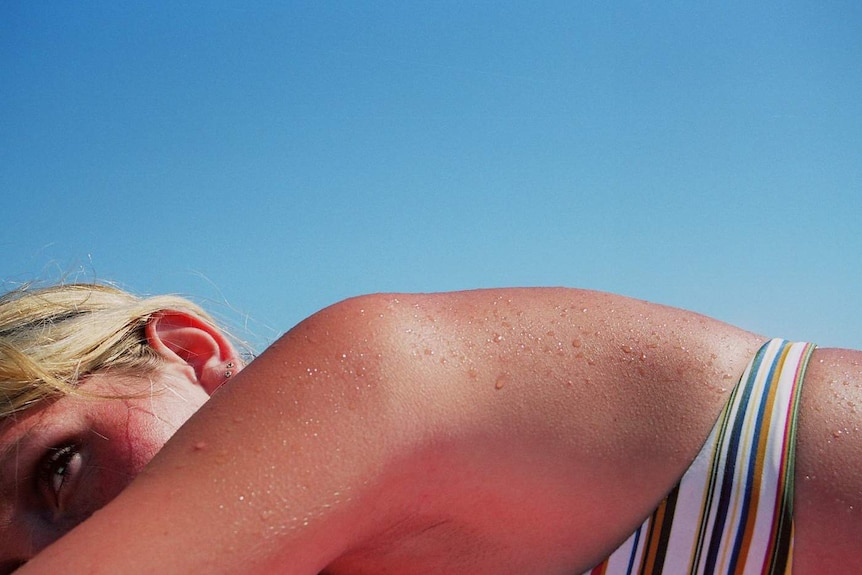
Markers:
point(732, 510)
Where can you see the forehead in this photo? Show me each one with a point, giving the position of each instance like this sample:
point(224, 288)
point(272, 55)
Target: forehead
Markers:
point(98, 393)
point(52, 414)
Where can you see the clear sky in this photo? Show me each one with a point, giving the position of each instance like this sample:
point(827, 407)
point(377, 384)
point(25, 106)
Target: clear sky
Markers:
point(272, 158)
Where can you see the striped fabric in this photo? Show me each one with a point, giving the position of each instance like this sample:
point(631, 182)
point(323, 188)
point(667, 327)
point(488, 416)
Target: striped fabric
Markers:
point(732, 510)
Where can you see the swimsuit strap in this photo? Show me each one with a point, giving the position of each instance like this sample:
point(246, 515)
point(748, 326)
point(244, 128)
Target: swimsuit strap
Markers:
point(732, 511)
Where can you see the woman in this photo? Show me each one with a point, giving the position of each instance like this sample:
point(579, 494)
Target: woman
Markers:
point(496, 431)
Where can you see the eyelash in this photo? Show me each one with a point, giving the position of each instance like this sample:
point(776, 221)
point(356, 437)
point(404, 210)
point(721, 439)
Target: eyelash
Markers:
point(54, 470)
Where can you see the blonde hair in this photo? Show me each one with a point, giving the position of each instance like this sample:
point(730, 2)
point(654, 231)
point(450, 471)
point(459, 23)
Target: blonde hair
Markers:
point(51, 338)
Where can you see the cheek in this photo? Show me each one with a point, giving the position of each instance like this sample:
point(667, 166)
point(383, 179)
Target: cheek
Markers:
point(124, 446)
point(150, 426)
point(139, 430)
point(121, 451)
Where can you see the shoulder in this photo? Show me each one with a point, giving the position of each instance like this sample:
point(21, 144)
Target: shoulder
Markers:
point(638, 353)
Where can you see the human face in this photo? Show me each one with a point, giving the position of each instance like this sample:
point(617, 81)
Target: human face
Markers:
point(65, 459)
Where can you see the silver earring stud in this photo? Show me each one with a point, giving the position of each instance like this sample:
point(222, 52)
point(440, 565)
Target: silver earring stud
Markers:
point(228, 371)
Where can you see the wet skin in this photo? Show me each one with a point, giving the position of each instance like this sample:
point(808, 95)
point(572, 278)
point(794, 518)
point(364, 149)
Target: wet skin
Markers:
point(505, 431)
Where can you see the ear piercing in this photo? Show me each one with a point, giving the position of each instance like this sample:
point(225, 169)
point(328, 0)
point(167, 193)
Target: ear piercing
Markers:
point(229, 370)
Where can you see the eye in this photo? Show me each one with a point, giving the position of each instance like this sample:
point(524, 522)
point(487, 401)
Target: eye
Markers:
point(57, 470)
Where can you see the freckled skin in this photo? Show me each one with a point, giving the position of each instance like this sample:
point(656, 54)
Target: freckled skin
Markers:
point(358, 450)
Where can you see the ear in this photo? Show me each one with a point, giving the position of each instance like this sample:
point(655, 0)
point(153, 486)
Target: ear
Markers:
point(183, 338)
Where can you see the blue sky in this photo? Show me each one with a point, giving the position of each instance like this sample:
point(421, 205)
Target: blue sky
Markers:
point(272, 158)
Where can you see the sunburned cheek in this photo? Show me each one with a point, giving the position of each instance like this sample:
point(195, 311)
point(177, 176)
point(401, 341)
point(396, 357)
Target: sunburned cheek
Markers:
point(138, 453)
point(114, 468)
point(131, 437)
point(126, 450)
point(148, 428)
point(141, 444)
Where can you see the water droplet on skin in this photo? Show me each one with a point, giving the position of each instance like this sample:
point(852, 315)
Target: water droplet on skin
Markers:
point(497, 338)
point(626, 349)
point(501, 381)
point(200, 445)
point(576, 343)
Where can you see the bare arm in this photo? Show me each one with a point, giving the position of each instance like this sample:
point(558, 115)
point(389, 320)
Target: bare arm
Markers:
point(531, 427)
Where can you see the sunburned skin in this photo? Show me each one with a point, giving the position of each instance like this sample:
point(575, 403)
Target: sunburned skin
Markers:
point(377, 437)
point(65, 460)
